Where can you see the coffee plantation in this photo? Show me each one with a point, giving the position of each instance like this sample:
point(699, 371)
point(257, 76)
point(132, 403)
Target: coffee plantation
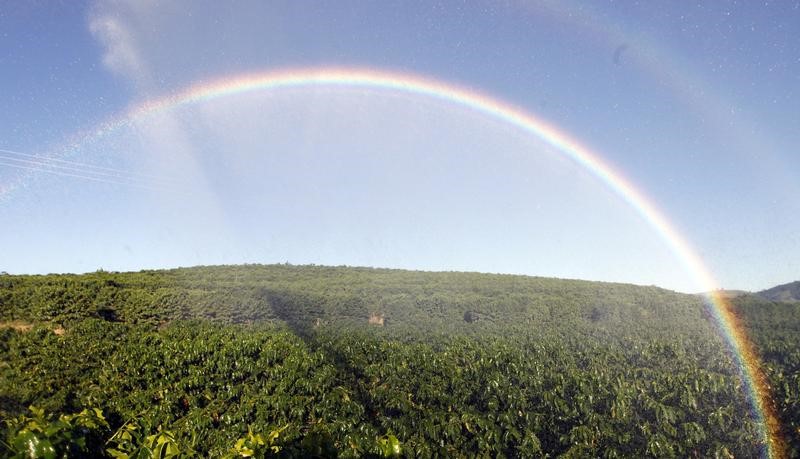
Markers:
point(282, 361)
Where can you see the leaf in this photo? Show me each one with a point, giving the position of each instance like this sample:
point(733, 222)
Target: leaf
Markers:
point(275, 433)
point(160, 451)
point(45, 450)
point(37, 412)
point(35, 447)
point(115, 453)
point(394, 445)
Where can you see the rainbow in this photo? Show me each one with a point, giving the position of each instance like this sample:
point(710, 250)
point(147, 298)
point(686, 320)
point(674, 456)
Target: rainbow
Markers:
point(743, 349)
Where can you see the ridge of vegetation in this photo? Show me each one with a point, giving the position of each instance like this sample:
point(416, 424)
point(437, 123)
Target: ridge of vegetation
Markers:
point(292, 360)
point(785, 292)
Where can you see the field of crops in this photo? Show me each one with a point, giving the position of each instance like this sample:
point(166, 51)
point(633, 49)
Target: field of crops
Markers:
point(316, 361)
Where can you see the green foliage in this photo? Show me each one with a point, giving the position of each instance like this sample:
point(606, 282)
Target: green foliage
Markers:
point(262, 361)
point(40, 436)
point(256, 445)
point(134, 441)
point(389, 446)
point(775, 329)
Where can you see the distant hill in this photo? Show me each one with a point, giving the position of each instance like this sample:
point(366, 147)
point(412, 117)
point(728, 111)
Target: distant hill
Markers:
point(782, 293)
point(724, 293)
point(785, 292)
point(307, 297)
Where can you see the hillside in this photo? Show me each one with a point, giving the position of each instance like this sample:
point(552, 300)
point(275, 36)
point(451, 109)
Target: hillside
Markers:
point(356, 361)
point(785, 292)
point(304, 297)
point(727, 294)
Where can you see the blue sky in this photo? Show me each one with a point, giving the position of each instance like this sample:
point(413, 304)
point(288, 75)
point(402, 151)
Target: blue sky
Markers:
point(696, 104)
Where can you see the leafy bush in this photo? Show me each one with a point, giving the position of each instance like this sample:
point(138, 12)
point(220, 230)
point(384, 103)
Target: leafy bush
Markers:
point(44, 436)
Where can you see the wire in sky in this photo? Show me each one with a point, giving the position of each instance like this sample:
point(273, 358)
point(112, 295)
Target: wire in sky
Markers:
point(109, 180)
point(82, 167)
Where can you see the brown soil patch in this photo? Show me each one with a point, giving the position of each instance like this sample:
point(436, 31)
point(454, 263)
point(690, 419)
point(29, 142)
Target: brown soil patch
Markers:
point(376, 319)
point(24, 327)
point(17, 325)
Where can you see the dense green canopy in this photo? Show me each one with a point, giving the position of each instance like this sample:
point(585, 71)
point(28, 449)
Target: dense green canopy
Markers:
point(283, 360)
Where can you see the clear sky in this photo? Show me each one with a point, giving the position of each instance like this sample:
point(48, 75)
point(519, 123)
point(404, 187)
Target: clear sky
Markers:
point(696, 104)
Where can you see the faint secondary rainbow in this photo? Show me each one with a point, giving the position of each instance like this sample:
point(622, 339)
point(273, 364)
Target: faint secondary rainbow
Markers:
point(743, 350)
